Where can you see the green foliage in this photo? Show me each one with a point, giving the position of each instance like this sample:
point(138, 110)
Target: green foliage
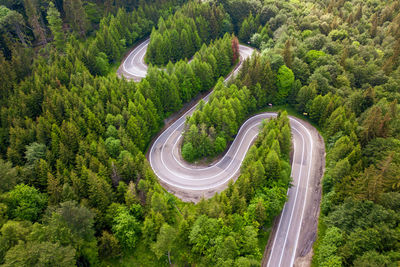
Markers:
point(215, 123)
point(373, 258)
point(188, 152)
point(35, 152)
point(25, 203)
point(313, 55)
point(108, 246)
point(76, 16)
point(203, 233)
point(284, 82)
point(113, 146)
point(70, 225)
point(35, 253)
point(12, 234)
point(338, 34)
point(8, 176)
point(12, 21)
point(328, 250)
point(126, 228)
point(305, 96)
point(249, 27)
point(183, 33)
point(165, 241)
point(220, 144)
point(55, 25)
point(101, 64)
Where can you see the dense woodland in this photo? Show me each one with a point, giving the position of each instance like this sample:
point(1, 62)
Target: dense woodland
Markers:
point(214, 124)
point(76, 188)
point(183, 33)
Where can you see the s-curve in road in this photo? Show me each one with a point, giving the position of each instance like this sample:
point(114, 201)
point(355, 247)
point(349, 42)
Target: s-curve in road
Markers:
point(181, 177)
point(295, 230)
point(187, 180)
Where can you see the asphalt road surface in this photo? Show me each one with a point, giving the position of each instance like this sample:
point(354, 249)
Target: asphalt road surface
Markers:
point(134, 67)
point(167, 164)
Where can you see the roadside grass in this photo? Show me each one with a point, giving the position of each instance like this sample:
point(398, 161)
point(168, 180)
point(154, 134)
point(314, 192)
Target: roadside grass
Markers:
point(263, 237)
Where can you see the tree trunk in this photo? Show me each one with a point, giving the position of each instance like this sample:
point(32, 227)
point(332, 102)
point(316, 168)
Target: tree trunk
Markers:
point(169, 258)
point(19, 33)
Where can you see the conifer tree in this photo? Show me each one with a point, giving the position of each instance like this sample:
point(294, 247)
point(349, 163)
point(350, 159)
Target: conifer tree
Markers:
point(55, 25)
point(287, 54)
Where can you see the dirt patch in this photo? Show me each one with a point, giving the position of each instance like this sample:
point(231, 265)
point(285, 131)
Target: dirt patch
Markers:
point(304, 261)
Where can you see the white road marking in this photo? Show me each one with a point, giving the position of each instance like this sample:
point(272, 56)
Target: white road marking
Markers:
point(210, 177)
point(162, 176)
point(284, 208)
point(295, 198)
point(136, 52)
point(226, 154)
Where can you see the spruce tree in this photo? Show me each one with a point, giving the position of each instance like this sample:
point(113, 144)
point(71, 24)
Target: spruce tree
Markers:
point(55, 24)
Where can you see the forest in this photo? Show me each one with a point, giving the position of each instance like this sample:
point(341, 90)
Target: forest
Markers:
point(76, 188)
point(214, 124)
point(183, 33)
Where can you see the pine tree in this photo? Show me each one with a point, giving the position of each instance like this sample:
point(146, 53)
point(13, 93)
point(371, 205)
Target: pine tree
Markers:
point(391, 62)
point(235, 49)
point(287, 54)
point(374, 27)
point(186, 43)
point(165, 241)
point(305, 95)
point(244, 33)
point(7, 76)
point(176, 49)
point(55, 25)
point(359, 13)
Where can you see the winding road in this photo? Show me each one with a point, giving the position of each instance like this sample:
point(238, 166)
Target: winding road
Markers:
point(191, 182)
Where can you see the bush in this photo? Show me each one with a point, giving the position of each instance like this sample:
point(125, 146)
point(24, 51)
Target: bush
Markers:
point(219, 145)
point(313, 55)
point(188, 152)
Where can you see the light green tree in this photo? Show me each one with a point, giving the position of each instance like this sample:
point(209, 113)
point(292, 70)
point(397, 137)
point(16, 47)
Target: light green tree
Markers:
point(165, 241)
